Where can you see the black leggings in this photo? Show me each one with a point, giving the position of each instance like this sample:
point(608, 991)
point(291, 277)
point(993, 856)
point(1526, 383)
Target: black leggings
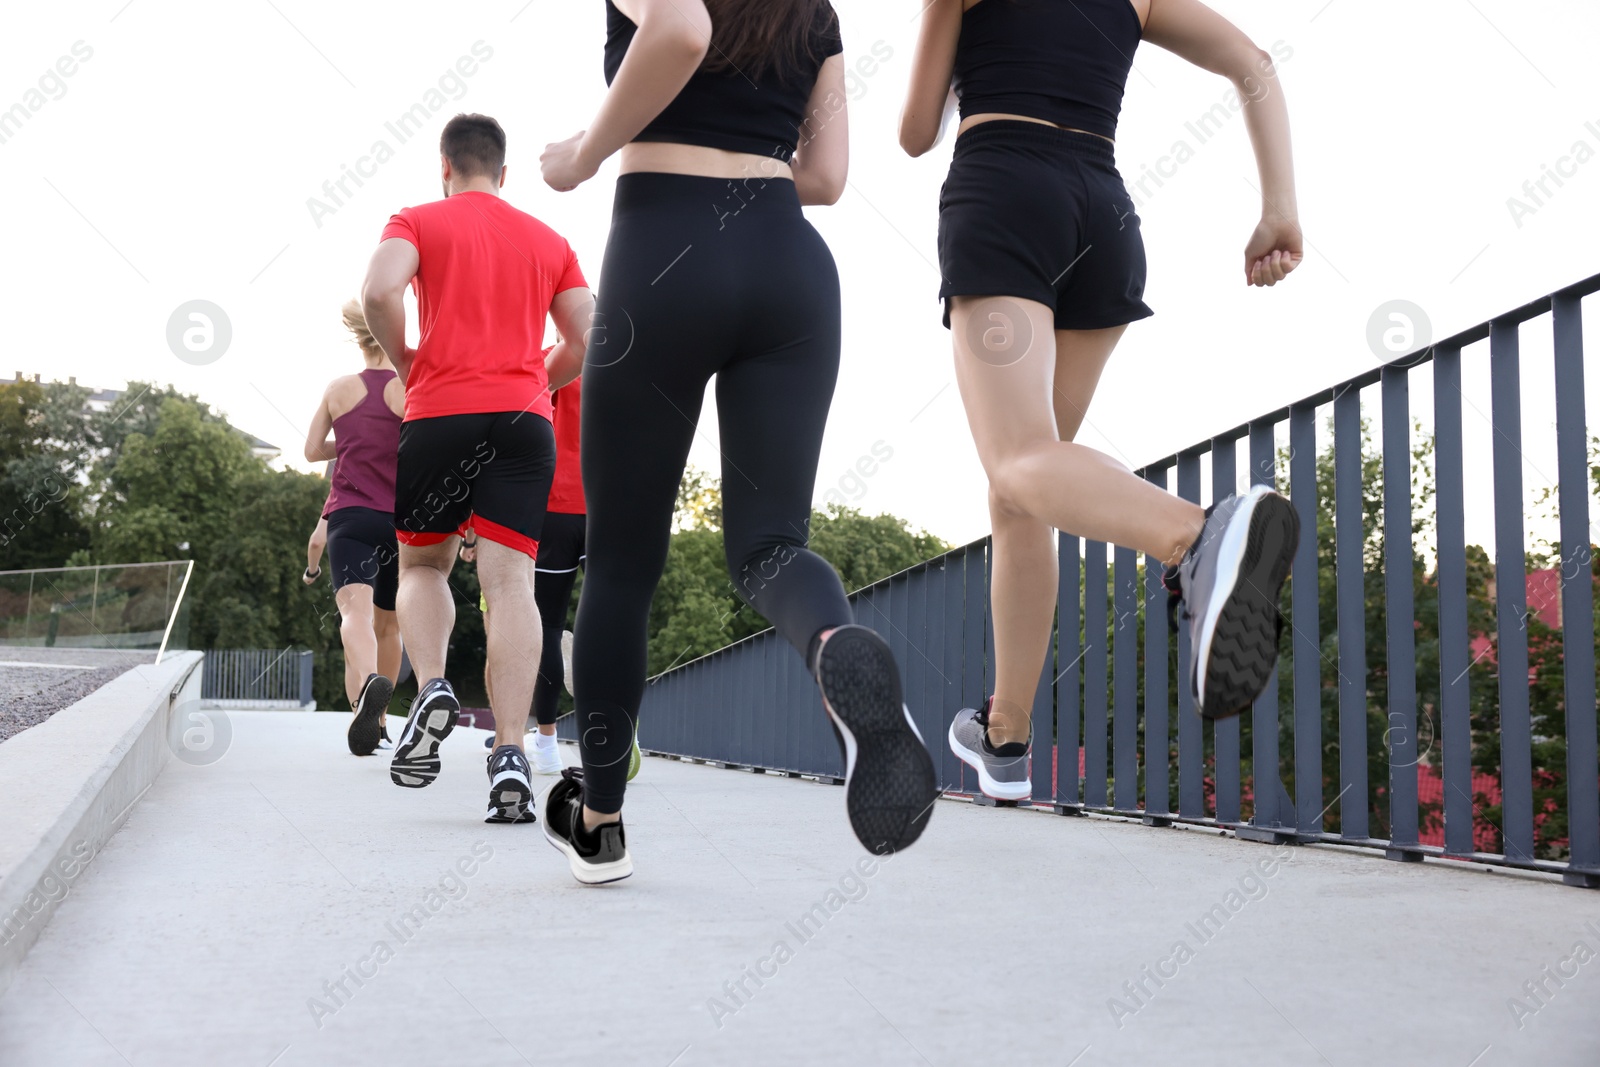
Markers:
point(561, 549)
point(702, 277)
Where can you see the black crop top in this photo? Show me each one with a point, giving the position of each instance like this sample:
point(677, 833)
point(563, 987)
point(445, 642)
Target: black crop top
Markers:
point(1063, 61)
point(726, 109)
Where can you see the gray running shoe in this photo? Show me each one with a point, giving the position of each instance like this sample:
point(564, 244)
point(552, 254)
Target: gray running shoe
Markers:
point(510, 795)
point(1228, 583)
point(1002, 771)
point(434, 714)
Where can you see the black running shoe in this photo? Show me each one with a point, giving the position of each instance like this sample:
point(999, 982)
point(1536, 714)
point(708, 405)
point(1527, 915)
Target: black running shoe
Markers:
point(510, 795)
point(888, 775)
point(383, 736)
point(433, 716)
point(1228, 584)
point(372, 706)
point(597, 856)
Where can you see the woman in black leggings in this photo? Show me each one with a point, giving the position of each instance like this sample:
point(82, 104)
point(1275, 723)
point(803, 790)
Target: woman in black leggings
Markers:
point(729, 115)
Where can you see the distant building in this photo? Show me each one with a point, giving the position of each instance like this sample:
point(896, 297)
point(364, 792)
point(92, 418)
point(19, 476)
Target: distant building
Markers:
point(100, 400)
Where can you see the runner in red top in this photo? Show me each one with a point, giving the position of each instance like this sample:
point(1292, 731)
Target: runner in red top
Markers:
point(477, 447)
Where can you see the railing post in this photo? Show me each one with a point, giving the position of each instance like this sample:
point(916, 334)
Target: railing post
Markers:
point(1225, 732)
point(1068, 672)
point(1125, 632)
point(306, 660)
point(1400, 615)
point(1191, 728)
point(1095, 630)
point(1157, 711)
point(1306, 641)
point(1267, 823)
point(1455, 712)
point(1511, 592)
point(1577, 596)
point(1349, 539)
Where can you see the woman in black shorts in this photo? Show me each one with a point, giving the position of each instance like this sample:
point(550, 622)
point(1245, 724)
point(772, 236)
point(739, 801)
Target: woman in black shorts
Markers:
point(362, 412)
point(729, 115)
point(1043, 269)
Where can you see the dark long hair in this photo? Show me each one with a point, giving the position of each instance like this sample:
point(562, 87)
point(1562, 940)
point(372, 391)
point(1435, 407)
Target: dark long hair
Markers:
point(754, 37)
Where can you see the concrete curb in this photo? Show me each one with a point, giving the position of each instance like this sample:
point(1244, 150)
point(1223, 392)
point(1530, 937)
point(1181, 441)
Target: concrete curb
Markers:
point(67, 784)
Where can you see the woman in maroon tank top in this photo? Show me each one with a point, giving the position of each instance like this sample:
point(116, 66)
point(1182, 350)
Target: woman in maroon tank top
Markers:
point(357, 425)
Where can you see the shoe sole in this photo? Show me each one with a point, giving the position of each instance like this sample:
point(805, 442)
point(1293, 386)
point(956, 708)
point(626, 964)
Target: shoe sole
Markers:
point(510, 801)
point(890, 786)
point(371, 706)
point(416, 763)
point(587, 873)
point(989, 786)
point(1243, 646)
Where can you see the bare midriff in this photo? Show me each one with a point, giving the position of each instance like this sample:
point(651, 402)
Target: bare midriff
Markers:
point(978, 120)
point(659, 157)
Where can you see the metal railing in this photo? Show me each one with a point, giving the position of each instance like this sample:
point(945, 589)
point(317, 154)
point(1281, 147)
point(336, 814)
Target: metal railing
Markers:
point(257, 678)
point(1349, 743)
point(131, 605)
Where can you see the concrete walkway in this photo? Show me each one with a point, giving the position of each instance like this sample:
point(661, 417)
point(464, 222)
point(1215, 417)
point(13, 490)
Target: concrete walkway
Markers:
point(220, 923)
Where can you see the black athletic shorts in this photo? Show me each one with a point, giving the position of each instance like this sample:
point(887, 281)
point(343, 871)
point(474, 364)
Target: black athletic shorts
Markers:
point(1040, 213)
point(561, 549)
point(362, 551)
point(488, 471)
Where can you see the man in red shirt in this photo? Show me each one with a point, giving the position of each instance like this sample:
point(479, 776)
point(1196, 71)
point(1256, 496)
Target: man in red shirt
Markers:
point(476, 447)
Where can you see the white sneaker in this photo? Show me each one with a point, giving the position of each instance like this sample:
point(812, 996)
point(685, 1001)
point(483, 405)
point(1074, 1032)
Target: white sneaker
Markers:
point(545, 754)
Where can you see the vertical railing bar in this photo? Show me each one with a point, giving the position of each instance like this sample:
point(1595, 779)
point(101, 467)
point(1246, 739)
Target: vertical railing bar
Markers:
point(1225, 732)
point(1191, 731)
point(1511, 592)
point(1125, 722)
point(1306, 641)
point(1069, 670)
point(1577, 592)
point(1157, 711)
point(1349, 535)
point(1399, 610)
point(1264, 713)
point(1455, 722)
point(1095, 631)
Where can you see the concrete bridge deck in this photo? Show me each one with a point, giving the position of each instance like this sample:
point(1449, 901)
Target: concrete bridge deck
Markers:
point(273, 908)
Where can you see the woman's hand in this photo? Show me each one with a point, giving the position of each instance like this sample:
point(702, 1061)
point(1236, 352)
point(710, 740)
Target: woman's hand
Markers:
point(1275, 249)
point(564, 165)
point(310, 577)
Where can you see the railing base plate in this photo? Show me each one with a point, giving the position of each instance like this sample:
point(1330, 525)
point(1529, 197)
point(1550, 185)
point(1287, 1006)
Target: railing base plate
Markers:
point(1581, 879)
point(1267, 835)
point(1156, 820)
point(1066, 809)
point(1402, 855)
point(991, 802)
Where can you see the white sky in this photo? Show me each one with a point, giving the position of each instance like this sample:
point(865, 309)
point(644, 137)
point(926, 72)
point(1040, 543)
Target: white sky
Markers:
point(177, 163)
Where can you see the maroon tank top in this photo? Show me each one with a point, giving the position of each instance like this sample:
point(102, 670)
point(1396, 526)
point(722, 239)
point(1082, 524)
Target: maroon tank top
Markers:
point(366, 441)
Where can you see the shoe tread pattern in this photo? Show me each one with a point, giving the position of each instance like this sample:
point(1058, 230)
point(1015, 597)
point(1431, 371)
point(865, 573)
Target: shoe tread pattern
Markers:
point(1244, 646)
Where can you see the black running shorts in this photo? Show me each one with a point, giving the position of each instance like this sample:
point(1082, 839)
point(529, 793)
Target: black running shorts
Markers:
point(1041, 213)
point(362, 551)
point(488, 471)
point(561, 549)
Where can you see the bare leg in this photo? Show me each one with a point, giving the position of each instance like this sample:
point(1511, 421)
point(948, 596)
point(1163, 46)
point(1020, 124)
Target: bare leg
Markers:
point(513, 640)
point(356, 634)
point(1019, 408)
point(387, 629)
point(424, 606)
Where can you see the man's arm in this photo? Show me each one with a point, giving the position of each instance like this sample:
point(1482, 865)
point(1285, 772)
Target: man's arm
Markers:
point(572, 310)
point(393, 266)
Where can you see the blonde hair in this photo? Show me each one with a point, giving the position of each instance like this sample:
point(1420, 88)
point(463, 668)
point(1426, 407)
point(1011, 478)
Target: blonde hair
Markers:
point(355, 320)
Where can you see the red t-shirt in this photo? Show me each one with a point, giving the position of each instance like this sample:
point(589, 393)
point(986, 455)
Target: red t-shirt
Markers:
point(486, 276)
point(566, 489)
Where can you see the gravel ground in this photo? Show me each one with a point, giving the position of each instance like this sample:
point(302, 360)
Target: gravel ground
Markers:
point(31, 694)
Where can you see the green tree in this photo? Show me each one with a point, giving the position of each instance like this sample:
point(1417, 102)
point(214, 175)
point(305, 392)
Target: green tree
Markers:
point(42, 456)
point(696, 609)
